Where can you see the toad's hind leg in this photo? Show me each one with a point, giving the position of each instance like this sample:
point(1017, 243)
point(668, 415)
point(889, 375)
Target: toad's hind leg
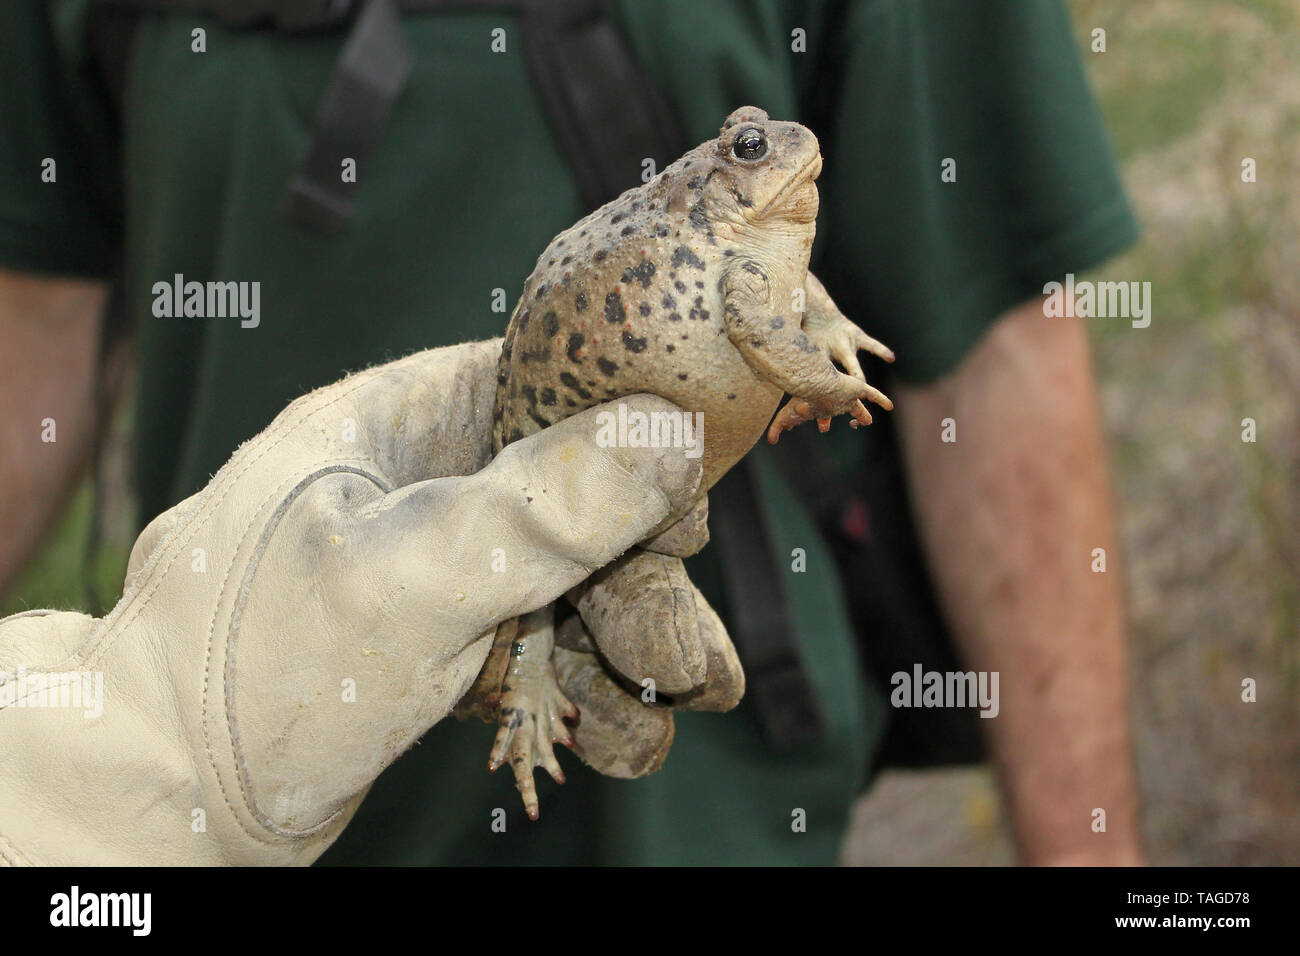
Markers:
point(532, 711)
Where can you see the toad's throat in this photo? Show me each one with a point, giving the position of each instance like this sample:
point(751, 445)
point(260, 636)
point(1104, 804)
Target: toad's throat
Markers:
point(805, 177)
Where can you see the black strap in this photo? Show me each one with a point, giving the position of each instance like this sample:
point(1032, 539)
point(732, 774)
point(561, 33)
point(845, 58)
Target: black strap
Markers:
point(366, 81)
point(762, 625)
point(606, 115)
point(287, 15)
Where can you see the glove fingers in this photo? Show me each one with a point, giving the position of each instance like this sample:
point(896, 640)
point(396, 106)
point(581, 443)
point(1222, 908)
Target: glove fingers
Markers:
point(616, 735)
point(685, 538)
point(725, 683)
point(541, 517)
point(641, 613)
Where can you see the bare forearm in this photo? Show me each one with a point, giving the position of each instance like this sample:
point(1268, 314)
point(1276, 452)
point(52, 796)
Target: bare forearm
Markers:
point(49, 328)
point(1011, 512)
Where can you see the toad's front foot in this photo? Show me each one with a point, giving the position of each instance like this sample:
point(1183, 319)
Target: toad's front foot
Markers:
point(827, 328)
point(533, 709)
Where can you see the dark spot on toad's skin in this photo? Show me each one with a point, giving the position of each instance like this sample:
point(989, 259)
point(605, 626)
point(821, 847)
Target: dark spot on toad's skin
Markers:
point(606, 366)
point(590, 383)
point(699, 284)
point(543, 289)
point(778, 323)
point(627, 230)
point(695, 182)
point(699, 216)
point(674, 317)
point(682, 376)
point(570, 403)
point(644, 308)
point(661, 231)
point(698, 312)
point(743, 200)
point(569, 381)
point(529, 393)
point(614, 310)
point(575, 342)
point(731, 398)
point(600, 255)
point(566, 260)
point(523, 320)
point(804, 345)
point(670, 348)
point(726, 252)
point(641, 273)
point(515, 435)
point(756, 342)
point(632, 343)
point(668, 302)
point(580, 302)
point(684, 256)
point(680, 286)
point(550, 324)
point(535, 355)
point(616, 219)
point(548, 396)
point(544, 422)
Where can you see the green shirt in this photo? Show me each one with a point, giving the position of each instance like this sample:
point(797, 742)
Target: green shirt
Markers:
point(463, 191)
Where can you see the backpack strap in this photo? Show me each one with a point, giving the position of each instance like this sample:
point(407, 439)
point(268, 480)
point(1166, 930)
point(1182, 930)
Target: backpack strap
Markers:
point(608, 118)
point(363, 87)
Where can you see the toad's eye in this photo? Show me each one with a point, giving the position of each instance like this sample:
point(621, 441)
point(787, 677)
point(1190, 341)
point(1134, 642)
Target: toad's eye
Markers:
point(750, 145)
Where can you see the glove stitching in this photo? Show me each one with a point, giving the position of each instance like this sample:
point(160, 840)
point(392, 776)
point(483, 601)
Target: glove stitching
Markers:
point(279, 492)
point(10, 854)
point(93, 647)
point(101, 638)
point(272, 524)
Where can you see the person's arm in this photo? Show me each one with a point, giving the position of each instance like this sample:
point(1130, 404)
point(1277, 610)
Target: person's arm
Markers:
point(50, 330)
point(1010, 514)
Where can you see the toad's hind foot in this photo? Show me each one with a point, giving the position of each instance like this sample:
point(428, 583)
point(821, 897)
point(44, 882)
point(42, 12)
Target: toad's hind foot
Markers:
point(533, 709)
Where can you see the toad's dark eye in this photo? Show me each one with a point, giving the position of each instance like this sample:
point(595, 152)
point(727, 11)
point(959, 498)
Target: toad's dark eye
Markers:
point(750, 145)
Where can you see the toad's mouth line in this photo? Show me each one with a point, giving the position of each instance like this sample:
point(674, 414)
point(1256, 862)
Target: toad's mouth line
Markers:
point(805, 176)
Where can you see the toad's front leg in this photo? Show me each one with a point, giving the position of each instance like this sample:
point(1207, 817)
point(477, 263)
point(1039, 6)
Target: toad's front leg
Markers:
point(795, 355)
point(531, 714)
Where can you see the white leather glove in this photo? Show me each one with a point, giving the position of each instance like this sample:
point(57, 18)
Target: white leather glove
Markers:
point(289, 630)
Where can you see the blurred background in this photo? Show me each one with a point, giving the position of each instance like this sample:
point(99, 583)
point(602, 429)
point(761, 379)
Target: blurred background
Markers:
point(1211, 524)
